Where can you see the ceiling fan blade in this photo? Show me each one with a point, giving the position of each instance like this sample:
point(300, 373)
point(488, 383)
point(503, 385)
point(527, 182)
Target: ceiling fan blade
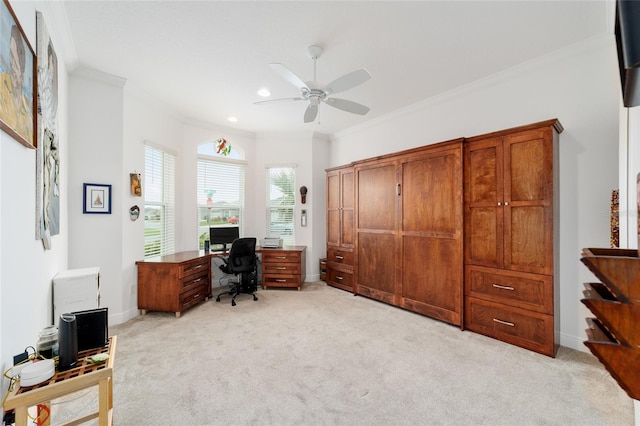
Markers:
point(348, 81)
point(348, 106)
point(311, 113)
point(288, 75)
point(274, 101)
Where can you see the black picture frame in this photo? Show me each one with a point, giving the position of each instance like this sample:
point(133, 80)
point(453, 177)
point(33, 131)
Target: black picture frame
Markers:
point(96, 198)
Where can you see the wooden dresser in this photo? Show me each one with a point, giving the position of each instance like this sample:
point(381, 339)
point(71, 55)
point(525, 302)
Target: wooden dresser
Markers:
point(283, 267)
point(175, 282)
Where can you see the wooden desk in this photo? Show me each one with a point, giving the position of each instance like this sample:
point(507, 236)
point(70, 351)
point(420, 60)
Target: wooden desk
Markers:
point(283, 266)
point(86, 374)
point(175, 282)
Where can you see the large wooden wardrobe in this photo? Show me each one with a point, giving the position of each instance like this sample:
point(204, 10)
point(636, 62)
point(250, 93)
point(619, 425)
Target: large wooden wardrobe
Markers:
point(461, 231)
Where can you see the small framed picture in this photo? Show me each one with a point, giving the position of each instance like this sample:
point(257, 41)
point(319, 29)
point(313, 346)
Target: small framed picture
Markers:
point(97, 198)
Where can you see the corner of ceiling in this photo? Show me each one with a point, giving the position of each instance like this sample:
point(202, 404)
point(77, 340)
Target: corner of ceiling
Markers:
point(60, 31)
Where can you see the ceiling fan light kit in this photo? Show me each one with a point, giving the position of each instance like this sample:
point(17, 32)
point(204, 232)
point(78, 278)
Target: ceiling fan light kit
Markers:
point(315, 93)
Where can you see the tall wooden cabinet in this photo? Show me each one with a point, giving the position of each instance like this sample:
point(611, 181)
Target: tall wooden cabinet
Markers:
point(409, 230)
point(340, 227)
point(510, 237)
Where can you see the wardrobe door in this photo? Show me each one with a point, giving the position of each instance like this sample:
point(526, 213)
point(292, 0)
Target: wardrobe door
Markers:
point(431, 235)
point(377, 250)
point(528, 199)
point(484, 203)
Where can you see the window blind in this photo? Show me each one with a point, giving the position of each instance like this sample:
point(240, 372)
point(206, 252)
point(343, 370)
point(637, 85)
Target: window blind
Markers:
point(159, 202)
point(281, 183)
point(220, 195)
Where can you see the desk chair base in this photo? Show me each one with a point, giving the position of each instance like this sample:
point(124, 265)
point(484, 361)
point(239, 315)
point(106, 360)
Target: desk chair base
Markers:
point(246, 284)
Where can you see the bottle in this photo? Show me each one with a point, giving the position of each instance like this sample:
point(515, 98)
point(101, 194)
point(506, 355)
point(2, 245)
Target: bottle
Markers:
point(47, 345)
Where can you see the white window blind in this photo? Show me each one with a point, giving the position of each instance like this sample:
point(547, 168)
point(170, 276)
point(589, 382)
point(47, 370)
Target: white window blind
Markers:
point(281, 183)
point(220, 195)
point(159, 202)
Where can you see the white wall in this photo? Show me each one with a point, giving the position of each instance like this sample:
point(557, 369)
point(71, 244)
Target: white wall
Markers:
point(580, 87)
point(294, 149)
point(26, 269)
point(144, 122)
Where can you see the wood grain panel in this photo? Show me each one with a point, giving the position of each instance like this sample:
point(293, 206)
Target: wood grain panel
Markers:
point(377, 197)
point(431, 271)
point(526, 242)
point(376, 259)
point(431, 195)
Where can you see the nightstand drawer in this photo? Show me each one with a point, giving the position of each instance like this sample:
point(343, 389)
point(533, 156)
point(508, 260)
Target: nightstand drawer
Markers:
point(519, 289)
point(340, 278)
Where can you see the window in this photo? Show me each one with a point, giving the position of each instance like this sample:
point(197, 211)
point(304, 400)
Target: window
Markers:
point(281, 202)
point(220, 195)
point(159, 202)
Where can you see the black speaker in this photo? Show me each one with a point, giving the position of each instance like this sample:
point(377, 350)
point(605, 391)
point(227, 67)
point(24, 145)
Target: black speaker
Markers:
point(93, 329)
point(67, 342)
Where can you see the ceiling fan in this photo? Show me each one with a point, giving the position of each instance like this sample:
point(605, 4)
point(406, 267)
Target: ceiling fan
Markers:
point(315, 93)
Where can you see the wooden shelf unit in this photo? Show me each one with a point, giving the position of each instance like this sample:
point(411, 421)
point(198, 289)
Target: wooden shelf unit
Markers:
point(84, 375)
point(614, 334)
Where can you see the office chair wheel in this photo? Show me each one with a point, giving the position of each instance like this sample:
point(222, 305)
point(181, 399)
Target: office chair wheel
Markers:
point(218, 299)
point(233, 303)
point(255, 298)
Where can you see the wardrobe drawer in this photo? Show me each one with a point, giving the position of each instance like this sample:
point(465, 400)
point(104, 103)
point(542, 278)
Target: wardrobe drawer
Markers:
point(339, 278)
point(527, 329)
point(340, 256)
point(522, 290)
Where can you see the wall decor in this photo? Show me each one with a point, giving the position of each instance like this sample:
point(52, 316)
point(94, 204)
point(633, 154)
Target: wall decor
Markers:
point(136, 184)
point(97, 198)
point(18, 80)
point(47, 152)
point(134, 213)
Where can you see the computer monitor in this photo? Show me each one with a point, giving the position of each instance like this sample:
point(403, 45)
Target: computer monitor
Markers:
point(221, 237)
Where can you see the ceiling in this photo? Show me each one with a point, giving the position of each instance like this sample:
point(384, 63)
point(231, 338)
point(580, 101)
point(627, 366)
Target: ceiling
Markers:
point(207, 59)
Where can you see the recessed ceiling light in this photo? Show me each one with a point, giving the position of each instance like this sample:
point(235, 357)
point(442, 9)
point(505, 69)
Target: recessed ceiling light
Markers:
point(232, 119)
point(264, 92)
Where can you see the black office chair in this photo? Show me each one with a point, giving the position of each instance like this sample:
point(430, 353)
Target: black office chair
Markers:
point(243, 263)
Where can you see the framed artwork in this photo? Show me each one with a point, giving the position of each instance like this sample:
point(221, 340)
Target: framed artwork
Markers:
point(136, 184)
point(97, 198)
point(18, 83)
point(47, 152)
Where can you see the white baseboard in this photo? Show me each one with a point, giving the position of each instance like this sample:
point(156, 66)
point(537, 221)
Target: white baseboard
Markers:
point(573, 342)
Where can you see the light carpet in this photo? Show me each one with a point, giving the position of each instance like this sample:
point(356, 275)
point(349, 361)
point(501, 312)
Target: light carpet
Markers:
point(324, 357)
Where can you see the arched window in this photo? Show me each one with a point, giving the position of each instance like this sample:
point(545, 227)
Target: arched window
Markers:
point(221, 186)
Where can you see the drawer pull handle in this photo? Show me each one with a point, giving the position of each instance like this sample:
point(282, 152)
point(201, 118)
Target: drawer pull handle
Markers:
point(196, 296)
point(503, 287)
point(282, 268)
point(281, 281)
point(339, 278)
point(280, 257)
point(339, 257)
point(510, 324)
